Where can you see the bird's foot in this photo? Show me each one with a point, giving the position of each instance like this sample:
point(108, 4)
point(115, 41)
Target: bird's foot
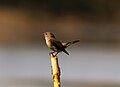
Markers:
point(52, 53)
point(56, 54)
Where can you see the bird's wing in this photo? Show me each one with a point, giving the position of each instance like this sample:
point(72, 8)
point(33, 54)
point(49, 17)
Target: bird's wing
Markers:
point(70, 43)
point(57, 44)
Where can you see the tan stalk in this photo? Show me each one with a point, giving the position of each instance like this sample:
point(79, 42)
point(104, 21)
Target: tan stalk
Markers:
point(55, 70)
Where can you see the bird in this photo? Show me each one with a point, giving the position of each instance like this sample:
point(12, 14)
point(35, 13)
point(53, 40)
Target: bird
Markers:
point(55, 45)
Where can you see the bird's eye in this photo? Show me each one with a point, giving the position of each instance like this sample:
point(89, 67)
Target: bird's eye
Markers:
point(45, 33)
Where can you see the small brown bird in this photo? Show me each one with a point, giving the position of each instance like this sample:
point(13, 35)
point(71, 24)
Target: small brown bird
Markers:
point(55, 44)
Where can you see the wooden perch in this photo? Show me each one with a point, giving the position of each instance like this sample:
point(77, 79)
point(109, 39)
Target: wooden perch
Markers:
point(55, 70)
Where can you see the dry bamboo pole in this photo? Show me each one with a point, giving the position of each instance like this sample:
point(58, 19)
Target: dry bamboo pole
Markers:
point(55, 70)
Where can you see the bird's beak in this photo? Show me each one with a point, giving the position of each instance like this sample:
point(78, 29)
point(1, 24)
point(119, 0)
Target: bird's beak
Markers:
point(43, 34)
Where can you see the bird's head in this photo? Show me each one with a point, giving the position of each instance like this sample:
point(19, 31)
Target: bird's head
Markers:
point(48, 35)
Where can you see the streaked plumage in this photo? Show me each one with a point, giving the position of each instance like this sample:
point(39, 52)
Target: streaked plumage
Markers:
point(55, 44)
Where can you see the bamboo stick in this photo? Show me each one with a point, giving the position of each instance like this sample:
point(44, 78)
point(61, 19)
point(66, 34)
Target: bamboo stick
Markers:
point(55, 70)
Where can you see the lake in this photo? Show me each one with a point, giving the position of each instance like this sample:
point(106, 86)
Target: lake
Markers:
point(85, 63)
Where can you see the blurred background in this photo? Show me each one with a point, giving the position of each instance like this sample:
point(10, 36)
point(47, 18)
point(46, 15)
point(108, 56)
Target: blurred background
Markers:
point(24, 56)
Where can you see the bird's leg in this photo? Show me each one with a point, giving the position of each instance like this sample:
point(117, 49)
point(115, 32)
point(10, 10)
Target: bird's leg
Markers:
point(56, 53)
point(51, 53)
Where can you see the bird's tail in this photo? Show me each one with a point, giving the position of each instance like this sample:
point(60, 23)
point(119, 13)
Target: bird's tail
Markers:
point(70, 43)
point(66, 52)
